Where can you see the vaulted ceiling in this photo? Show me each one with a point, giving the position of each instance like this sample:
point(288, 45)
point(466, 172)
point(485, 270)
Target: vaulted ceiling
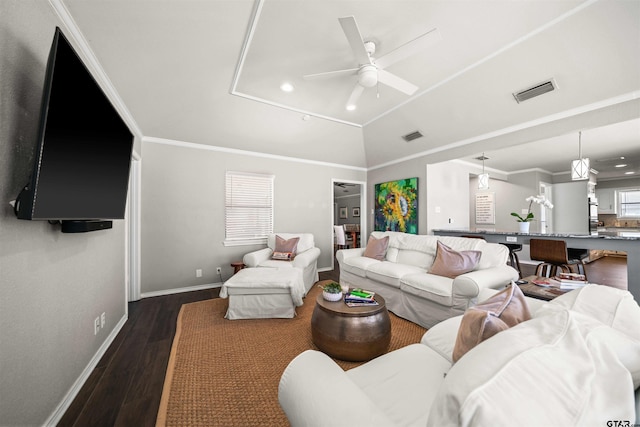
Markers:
point(209, 72)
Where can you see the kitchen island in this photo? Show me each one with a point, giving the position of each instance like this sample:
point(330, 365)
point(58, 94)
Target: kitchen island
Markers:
point(618, 242)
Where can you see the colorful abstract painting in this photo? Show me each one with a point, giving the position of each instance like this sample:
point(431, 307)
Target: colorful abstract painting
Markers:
point(396, 206)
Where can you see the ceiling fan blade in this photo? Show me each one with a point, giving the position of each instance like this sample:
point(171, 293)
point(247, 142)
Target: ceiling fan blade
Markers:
point(396, 82)
point(330, 74)
point(354, 38)
point(410, 48)
point(355, 95)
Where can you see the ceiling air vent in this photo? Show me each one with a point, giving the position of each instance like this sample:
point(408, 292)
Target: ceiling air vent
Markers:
point(536, 90)
point(413, 135)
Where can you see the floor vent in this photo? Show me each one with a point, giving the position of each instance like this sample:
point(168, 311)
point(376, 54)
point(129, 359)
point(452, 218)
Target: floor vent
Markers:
point(413, 135)
point(536, 90)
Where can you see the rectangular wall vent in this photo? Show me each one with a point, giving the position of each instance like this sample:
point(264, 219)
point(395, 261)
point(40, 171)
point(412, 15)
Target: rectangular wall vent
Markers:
point(413, 135)
point(536, 90)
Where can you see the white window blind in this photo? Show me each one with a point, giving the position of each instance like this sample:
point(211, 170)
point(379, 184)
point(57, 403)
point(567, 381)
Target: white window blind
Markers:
point(248, 207)
point(629, 203)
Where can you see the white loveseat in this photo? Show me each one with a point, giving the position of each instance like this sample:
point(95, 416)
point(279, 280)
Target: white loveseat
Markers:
point(403, 280)
point(306, 257)
point(575, 363)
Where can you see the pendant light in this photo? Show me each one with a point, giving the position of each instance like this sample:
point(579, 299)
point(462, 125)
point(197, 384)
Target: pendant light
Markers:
point(580, 168)
point(483, 178)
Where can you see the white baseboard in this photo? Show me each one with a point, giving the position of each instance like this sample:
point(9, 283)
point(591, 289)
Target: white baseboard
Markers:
point(180, 290)
point(57, 415)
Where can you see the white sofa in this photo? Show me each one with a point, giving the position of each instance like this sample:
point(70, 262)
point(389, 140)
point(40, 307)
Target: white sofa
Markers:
point(306, 258)
point(575, 363)
point(403, 280)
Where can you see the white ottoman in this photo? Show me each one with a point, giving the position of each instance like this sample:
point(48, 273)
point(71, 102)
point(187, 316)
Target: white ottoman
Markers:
point(260, 293)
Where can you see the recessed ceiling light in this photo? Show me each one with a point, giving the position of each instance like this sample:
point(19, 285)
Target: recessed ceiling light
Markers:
point(629, 173)
point(351, 107)
point(286, 87)
point(621, 165)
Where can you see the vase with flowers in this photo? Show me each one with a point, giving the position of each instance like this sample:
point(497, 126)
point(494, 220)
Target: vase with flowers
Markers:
point(524, 222)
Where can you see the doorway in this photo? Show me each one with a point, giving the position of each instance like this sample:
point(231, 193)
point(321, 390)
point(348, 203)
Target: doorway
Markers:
point(349, 208)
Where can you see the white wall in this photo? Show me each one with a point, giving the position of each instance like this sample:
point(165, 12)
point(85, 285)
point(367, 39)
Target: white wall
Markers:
point(53, 285)
point(447, 204)
point(571, 209)
point(183, 210)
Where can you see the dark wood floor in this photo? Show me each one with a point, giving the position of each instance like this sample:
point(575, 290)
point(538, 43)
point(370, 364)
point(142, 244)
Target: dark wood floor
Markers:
point(126, 386)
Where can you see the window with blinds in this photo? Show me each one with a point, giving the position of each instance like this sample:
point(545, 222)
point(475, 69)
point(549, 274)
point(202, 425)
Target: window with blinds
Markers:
point(248, 207)
point(629, 203)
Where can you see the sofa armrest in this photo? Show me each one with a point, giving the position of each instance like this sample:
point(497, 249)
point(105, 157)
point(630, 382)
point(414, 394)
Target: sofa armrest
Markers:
point(306, 258)
point(315, 391)
point(255, 258)
point(468, 285)
point(343, 254)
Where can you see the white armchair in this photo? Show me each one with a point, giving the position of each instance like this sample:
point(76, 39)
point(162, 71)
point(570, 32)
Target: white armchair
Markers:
point(306, 257)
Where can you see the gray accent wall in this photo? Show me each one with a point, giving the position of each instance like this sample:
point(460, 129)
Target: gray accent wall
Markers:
point(52, 285)
point(183, 210)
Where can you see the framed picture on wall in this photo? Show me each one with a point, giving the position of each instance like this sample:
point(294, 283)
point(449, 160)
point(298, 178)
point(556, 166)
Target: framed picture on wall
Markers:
point(343, 213)
point(396, 206)
point(355, 212)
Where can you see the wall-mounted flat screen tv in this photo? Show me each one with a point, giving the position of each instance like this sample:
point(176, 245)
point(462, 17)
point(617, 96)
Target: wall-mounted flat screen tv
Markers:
point(81, 166)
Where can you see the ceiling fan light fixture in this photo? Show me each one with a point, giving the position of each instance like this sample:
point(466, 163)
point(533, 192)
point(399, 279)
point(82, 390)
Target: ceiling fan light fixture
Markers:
point(368, 76)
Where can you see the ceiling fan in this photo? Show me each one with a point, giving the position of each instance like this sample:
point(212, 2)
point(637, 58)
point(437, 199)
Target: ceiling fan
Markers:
point(370, 70)
point(344, 184)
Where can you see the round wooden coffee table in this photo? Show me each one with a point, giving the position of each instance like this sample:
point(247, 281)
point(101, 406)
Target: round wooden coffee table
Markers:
point(354, 334)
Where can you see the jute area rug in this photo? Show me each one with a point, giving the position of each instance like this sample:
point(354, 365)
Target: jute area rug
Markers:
point(226, 372)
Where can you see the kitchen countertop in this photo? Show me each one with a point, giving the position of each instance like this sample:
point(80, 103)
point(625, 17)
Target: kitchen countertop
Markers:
point(619, 234)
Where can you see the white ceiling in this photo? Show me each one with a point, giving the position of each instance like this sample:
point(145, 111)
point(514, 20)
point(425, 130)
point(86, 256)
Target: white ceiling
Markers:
point(209, 72)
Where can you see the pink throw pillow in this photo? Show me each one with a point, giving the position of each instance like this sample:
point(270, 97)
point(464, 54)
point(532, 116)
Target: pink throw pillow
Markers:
point(285, 246)
point(500, 312)
point(450, 263)
point(376, 248)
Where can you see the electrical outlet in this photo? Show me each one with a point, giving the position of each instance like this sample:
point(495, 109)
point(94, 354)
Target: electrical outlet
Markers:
point(103, 319)
point(512, 239)
point(96, 326)
point(219, 270)
point(199, 272)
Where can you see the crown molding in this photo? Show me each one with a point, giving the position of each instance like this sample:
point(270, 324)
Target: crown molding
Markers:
point(193, 145)
point(91, 61)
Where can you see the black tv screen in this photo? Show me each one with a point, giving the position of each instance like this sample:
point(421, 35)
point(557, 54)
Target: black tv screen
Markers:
point(81, 168)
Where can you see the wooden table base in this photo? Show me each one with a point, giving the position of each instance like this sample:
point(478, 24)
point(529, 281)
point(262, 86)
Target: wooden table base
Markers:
point(354, 334)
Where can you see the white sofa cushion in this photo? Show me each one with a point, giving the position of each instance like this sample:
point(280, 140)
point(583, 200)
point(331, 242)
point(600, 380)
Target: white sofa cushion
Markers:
point(402, 383)
point(390, 273)
point(428, 286)
point(410, 249)
point(358, 265)
point(539, 353)
point(441, 338)
point(613, 317)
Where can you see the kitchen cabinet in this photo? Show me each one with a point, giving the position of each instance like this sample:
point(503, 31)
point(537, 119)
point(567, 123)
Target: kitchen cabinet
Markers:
point(607, 203)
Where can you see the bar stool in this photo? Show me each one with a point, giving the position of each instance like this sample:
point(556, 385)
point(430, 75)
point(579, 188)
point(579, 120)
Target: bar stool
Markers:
point(513, 256)
point(553, 254)
point(513, 248)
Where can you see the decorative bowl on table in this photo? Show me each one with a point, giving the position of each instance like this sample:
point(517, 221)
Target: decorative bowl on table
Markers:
point(331, 297)
point(332, 291)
